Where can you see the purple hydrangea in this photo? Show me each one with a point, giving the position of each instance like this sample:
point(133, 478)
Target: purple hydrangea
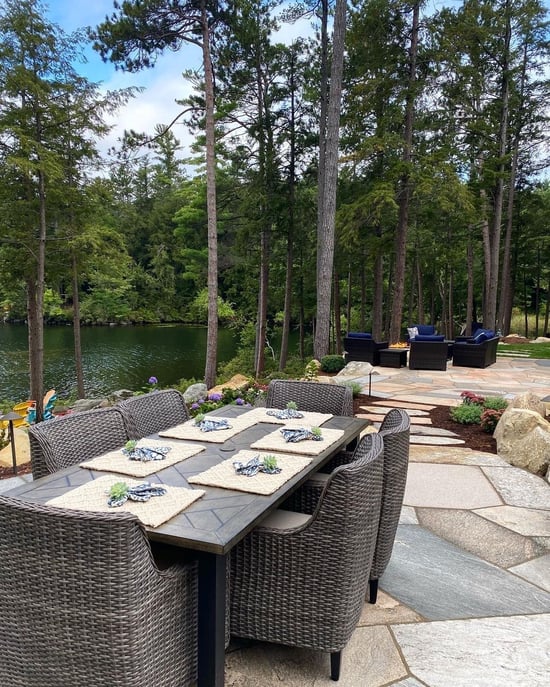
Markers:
point(239, 401)
point(194, 406)
point(153, 380)
point(215, 397)
point(200, 401)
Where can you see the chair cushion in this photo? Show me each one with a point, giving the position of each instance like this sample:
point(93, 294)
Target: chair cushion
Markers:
point(429, 337)
point(425, 329)
point(413, 332)
point(480, 337)
point(285, 520)
point(360, 335)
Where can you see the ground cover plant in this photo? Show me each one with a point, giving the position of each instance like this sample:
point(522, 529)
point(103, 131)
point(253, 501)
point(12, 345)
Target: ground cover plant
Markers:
point(479, 410)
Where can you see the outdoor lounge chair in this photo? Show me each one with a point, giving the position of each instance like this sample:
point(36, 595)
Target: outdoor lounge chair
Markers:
point(300, 579)
point(70, 439)
point(476, 353)
point(311, 396)
point(428, 355)
point(83, 604)
point(153, 412)
point(359, 346)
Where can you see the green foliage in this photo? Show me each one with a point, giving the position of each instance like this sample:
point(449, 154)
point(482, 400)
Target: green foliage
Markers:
point(495, 403)
point(355, 387)
point(332, 363)
point(467, 414)
point(312, 370)
point(198, 310)
point(4, 441)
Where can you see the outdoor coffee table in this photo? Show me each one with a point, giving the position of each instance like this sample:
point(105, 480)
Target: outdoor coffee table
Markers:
point(393, 357)
point(212, 525)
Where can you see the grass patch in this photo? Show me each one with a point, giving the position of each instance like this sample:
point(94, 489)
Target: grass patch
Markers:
point(531, 350)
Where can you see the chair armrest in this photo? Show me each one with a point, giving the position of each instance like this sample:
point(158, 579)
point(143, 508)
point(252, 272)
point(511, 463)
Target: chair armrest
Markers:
point(306, 498)
point(341, 458)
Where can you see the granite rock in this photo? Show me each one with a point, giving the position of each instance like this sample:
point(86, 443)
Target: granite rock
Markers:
point(523, 439)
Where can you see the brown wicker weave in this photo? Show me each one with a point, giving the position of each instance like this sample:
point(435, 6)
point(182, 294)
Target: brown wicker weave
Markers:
point(82, 603)
point(153, 412)
point(68, 440)
point(306, 586)
point(312, 396)
point(394, 430)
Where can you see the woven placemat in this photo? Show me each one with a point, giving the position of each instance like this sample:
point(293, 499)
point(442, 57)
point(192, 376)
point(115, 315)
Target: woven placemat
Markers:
point(116, 461)
point(92, 496)
point(274, 441)
point(189, 430)
point(224, 475)
point(309, 419)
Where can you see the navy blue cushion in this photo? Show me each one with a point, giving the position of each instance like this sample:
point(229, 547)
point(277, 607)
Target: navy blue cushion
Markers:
point(425, 329)
point(480, 337)
point(429, 337)
point(359, 335)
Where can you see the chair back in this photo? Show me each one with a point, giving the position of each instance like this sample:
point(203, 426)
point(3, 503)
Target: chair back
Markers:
point(311, 396)
point(82, 602)
point(394, 431)
point(345, 527)
point(68, 440)
point(153, 412)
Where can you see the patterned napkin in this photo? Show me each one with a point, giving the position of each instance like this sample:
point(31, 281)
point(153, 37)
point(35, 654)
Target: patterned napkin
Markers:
point(224, 475)
point(274, 441)
point(118, 461)
point(271, 415)
point(93, 496)
point(189, 430)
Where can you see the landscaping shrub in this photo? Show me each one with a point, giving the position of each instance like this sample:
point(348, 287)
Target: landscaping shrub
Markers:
point(332, 363)
point(489, 419)
point(495, 403)
point(355, 387)
point(467, 413)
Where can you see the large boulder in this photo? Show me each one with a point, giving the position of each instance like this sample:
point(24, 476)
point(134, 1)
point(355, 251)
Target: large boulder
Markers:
point(236, 382)
point(523, 439)
point(529, 401)
point(194, 392)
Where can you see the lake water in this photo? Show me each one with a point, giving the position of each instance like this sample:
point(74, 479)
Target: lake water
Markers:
point(113, 357)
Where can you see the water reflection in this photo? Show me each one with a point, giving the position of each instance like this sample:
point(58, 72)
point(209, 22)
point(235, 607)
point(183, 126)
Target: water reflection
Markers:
point(113, 357)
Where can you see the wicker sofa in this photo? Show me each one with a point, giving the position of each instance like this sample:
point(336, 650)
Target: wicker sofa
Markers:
point(360, 346)
point(473, 354)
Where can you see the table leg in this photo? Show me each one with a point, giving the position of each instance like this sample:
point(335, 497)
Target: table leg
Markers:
point(212, 591)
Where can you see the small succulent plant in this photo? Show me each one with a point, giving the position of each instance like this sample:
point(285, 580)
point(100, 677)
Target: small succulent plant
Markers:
point(316, 431)
point(292, 405)
point(270, 462)
point(130, 445)
point(118, 491)
point(199, 418)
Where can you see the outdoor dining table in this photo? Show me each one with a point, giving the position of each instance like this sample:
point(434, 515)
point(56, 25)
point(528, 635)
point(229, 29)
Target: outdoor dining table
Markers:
point(213, 524)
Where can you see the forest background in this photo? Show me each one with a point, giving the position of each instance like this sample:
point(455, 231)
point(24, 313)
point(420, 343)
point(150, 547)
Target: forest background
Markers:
point(389, 169)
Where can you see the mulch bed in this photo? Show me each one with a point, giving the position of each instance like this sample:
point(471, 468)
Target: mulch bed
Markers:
point(472, 435)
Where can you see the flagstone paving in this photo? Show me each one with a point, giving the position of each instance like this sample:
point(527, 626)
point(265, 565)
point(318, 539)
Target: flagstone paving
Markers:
point(465, 600)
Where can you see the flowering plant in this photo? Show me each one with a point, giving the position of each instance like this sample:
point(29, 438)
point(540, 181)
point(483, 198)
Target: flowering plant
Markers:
point(240, 397)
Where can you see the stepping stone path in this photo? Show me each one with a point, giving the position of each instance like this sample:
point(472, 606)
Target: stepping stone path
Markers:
point(419, 414)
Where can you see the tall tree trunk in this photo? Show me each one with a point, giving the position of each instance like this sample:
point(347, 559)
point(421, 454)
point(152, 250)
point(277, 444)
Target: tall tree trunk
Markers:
point(326, 231)
point(337, 315)
point(470, 285)
point(76, 331)
point(35, 307)
point(323, 92)
point(378, 293)
point(405, 188)
point(212, 332)
point(490, 311)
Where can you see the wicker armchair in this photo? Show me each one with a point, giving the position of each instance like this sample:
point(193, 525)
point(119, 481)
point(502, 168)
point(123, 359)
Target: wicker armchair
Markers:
point(82, 603)
point(394, 430)
point(301, 580)
point(363, 349)
point(311, 396)
point(153, 412)
point(428, 355)
point(68, 440)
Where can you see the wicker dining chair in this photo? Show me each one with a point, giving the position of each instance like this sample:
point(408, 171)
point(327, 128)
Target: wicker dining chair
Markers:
point(394, 431)
point(301, 580)
point(82, 603)
point(153, 412)
point(65, 441)
point(311, 396)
